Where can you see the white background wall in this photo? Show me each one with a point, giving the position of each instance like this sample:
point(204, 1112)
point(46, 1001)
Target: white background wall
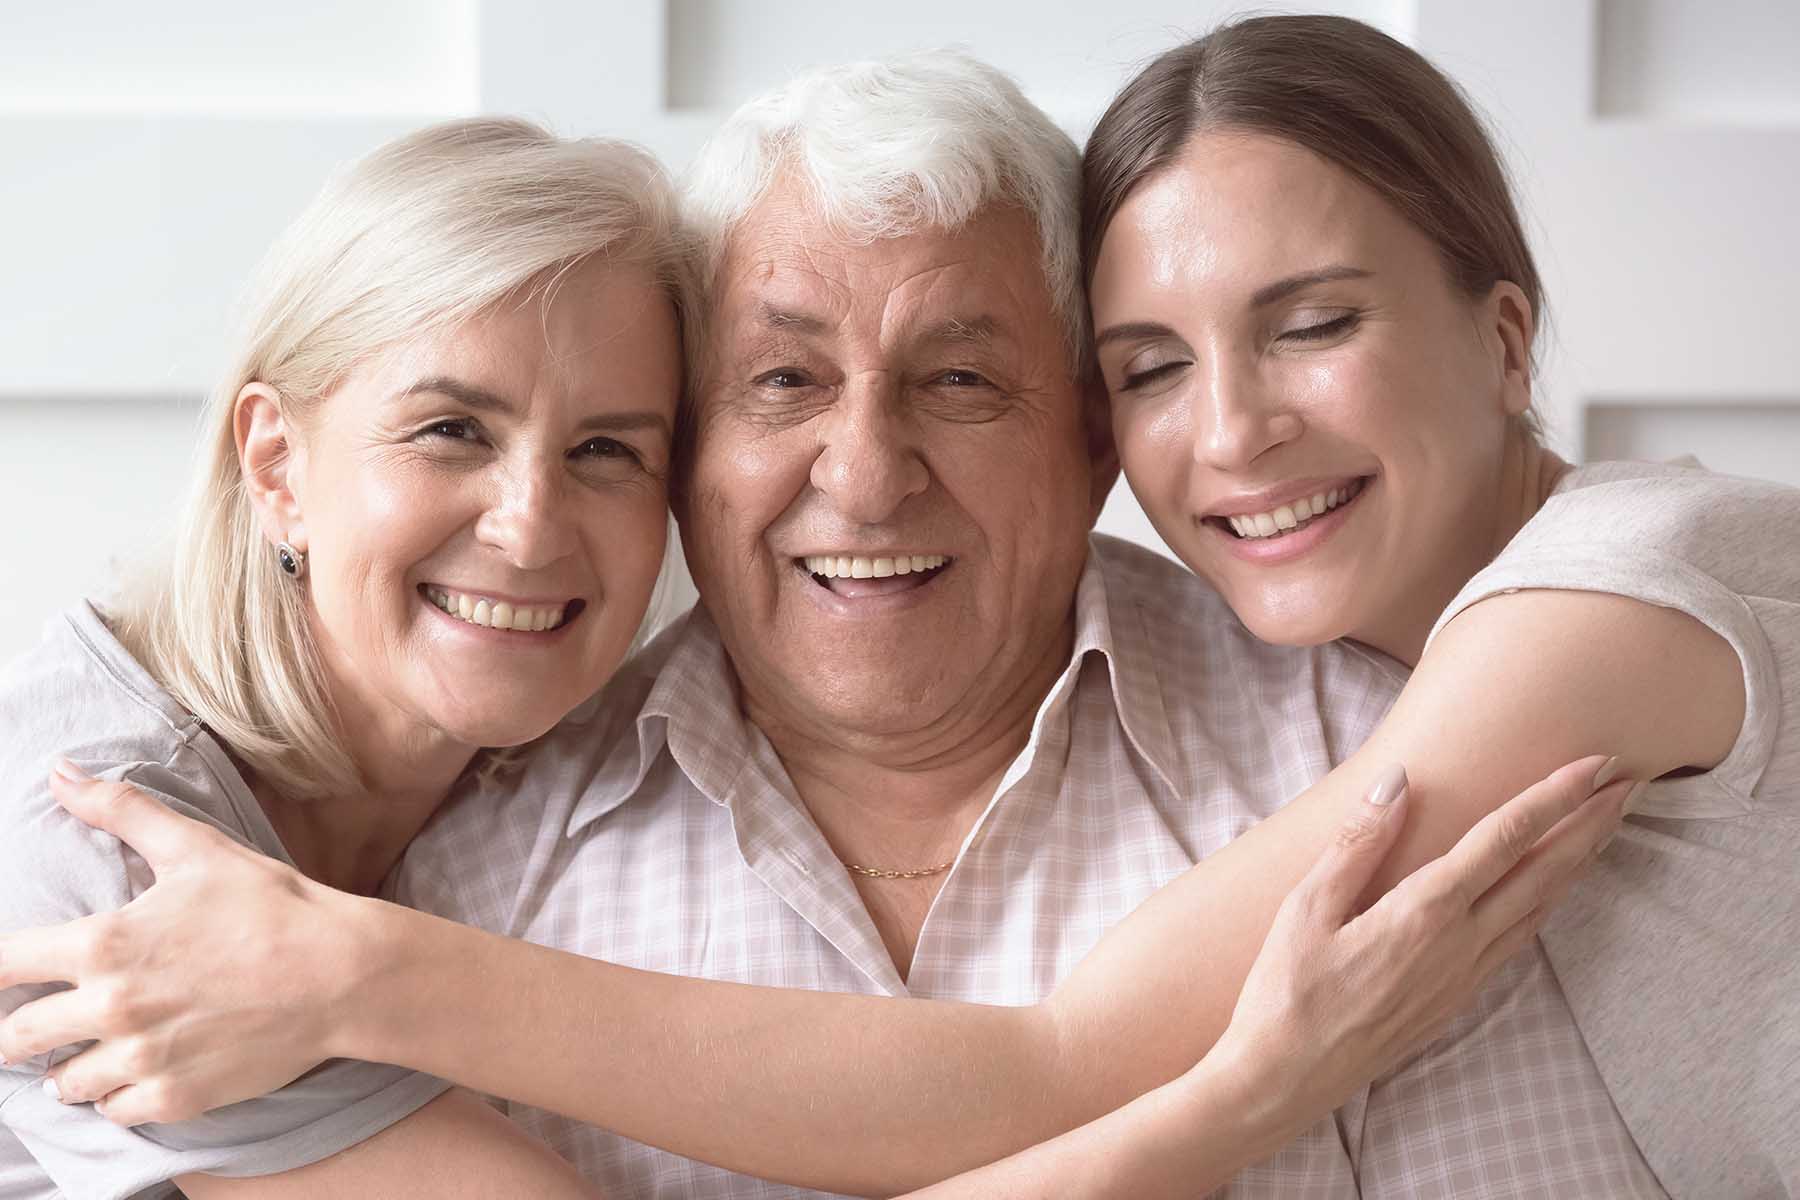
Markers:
point(151, 151)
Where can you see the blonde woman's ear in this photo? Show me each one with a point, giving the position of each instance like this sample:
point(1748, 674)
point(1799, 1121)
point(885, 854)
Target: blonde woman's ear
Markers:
point(265, 454)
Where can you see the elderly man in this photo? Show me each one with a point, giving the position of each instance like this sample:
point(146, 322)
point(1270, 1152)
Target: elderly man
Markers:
point(924, 735)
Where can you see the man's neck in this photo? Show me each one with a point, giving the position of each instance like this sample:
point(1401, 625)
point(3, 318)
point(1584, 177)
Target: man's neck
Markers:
point(905, 799)
point(895, 789)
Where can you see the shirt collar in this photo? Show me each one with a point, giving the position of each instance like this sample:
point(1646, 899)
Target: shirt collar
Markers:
point(1109, 621)
point(685, 680)
point(693, 691)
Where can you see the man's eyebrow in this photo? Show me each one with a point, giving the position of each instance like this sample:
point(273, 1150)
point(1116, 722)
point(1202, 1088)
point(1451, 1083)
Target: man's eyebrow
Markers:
point(1293, 283)
point(463, 393)
point(782, 318)
point(1131, 329)
point(977, 331)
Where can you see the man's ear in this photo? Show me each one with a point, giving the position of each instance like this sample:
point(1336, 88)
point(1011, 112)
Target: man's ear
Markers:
point(1102, 452)
point(266, 456)
point(1507, 315)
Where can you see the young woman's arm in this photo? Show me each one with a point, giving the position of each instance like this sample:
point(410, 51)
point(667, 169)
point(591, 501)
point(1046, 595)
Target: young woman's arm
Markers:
point(752, 1078)
point(1511, 687)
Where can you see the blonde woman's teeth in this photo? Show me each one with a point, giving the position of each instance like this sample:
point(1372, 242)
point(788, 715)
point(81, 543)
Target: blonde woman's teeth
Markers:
point(849, 566)
point(497, 614)
point(1292, 515)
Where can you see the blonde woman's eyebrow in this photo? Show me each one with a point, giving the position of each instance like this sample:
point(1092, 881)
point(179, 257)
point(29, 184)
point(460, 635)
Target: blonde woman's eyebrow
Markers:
point(482, 400)
point(627, 422)
point(463, 393)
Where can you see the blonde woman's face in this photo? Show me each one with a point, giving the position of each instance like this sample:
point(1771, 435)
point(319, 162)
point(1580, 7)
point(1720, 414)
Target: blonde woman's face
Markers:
point(485, 510)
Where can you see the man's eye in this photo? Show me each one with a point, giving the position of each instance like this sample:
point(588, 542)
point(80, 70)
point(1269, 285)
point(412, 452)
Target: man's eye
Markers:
point(958, 378)
point(783, 377)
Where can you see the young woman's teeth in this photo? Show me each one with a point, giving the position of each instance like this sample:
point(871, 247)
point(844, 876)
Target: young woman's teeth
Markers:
point(497, 614)
point(843, 566)
point(1290, 517)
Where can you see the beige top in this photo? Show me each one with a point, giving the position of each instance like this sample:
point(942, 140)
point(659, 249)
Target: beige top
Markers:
point(1680, 953)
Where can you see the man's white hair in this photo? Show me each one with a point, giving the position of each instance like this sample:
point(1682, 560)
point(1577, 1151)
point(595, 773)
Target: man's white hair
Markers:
point(891, 147)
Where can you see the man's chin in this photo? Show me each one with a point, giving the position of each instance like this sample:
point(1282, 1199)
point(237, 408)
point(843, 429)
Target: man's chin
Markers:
point(864, 690)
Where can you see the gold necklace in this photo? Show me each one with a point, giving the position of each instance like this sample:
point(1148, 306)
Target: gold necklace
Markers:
point(886, 873)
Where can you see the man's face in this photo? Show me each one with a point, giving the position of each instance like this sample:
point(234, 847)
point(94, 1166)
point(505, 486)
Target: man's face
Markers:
point(865, 408)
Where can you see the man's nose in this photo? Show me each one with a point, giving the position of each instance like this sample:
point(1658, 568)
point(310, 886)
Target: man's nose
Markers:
point(1237, 417)
point(869, 462)
point(528, 518)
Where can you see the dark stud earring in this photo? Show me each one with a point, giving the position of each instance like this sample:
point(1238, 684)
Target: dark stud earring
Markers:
point(292, 561)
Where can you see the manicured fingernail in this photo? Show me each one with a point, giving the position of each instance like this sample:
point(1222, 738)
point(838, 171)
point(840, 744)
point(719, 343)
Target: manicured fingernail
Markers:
point(1609, 771)
point(68, 770)
point(51, 1090)
point(1635, 796)
point(1389, 786)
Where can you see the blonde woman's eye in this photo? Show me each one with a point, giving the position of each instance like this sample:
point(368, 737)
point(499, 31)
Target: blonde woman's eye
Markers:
point(607, 449)
point(459, 429)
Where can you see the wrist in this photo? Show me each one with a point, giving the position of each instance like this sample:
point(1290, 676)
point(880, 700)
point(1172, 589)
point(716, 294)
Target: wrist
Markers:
point(379, 961)
point(1252, 1090)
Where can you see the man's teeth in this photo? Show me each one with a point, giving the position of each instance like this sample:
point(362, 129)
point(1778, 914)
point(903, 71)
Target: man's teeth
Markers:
point(1291, 516)
point(497, 614)
point(845, 566)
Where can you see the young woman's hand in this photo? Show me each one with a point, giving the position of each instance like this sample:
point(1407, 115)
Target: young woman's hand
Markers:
point(1337, 997)
point(1334, 999)
point(224, 980)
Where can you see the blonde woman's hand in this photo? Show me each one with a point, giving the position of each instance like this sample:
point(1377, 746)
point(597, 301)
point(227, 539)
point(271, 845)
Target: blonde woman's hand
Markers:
point(222, 981)
point(1337, 997)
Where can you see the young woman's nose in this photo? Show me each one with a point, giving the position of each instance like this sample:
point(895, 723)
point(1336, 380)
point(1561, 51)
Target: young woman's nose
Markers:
point(1237, 418)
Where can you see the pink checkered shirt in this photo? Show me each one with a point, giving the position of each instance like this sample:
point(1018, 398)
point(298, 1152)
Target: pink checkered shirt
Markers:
point(657, 828)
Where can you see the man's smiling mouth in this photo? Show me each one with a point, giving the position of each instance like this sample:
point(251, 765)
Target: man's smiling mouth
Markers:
point(857, 575)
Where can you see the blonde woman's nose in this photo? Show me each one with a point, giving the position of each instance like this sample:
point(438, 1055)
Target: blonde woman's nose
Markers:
point(529, 519)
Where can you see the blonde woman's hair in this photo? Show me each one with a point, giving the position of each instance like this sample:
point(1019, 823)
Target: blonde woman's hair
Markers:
point(425, 232)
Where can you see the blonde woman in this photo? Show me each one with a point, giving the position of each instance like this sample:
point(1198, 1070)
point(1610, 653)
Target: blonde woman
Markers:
point(429, 522)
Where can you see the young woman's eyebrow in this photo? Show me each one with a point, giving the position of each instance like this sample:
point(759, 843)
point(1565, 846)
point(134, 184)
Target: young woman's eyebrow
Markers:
point(1131, 329)
point(1270, 293)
